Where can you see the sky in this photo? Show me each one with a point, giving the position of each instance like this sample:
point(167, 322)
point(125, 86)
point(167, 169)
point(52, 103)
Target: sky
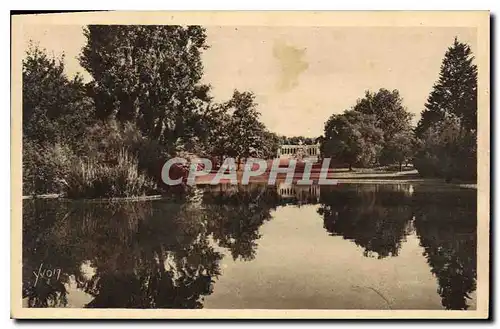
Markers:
point(302, 75)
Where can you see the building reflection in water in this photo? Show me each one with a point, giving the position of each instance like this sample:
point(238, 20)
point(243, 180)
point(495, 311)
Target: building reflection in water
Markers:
point(299, 194)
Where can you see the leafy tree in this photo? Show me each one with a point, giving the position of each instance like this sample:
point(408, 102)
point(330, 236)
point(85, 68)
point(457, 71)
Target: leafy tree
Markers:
point(387, 107)
point(219, 143)
point(353, 138)
point(393, 119)
point(150, 75)
point(236, 131)
point(398, 149)
point(270, 145)
point(146, 102)
point(447, 130)
point(55, 108)
point(64, 145)
point(56, 112)
point(245, 131)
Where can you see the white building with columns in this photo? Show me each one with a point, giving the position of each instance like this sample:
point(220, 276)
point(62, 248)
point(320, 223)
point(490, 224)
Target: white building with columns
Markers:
point(300, 151)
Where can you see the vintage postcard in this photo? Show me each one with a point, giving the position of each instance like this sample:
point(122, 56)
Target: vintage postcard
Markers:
point(322, 165)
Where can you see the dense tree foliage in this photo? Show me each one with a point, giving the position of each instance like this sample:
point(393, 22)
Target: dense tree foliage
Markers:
point(447, 130)
point(387, 107)
point(377, 130)
point(399, 149)
point(144, 103)
point(55, 108)
point(248, 135)
point(395, 122)
point(237, 131)
point(455, 92)
point(150, 75)
point(56, 112)
point(353, 138)
point(294, 140)
point(66, 149)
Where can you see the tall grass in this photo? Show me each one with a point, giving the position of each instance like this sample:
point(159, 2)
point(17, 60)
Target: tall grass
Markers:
point(93, 179)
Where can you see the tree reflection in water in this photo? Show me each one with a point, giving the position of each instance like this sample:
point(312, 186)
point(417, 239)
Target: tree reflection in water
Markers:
point(374, 217)
point(161, 261)
point(144, 254)
point(235, 214)
point(378, 218)
point(161, 254)
point(446, 225)
point(154, 254)
point(41, 247)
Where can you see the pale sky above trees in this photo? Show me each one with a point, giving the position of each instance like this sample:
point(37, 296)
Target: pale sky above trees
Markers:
point(302, 75)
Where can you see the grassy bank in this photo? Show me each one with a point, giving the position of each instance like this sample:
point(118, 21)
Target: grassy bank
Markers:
point(382, 175)
point(356, 176)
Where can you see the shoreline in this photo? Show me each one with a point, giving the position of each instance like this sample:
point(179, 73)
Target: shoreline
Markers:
point(62, 197)
point(380, 178)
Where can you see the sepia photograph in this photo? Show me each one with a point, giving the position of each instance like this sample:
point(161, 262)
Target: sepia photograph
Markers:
point(250, 165)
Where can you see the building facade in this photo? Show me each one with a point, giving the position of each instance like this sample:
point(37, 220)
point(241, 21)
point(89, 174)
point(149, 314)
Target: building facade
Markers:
point(300, 151)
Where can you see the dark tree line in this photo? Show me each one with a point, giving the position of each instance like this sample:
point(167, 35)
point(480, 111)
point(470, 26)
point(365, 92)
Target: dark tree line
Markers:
point(295, 140)
point(377, 129)
point(144, 103)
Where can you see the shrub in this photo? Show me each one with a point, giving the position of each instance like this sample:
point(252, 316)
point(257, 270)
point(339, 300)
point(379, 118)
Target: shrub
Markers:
point(94, 179)
point(106, 140)
point(447, 150)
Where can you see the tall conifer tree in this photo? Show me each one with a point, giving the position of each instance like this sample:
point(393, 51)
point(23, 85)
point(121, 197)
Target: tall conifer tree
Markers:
point(447, 129)
point(455, 91)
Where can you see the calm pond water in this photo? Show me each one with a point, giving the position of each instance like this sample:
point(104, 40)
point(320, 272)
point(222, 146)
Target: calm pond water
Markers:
point(351, 246)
